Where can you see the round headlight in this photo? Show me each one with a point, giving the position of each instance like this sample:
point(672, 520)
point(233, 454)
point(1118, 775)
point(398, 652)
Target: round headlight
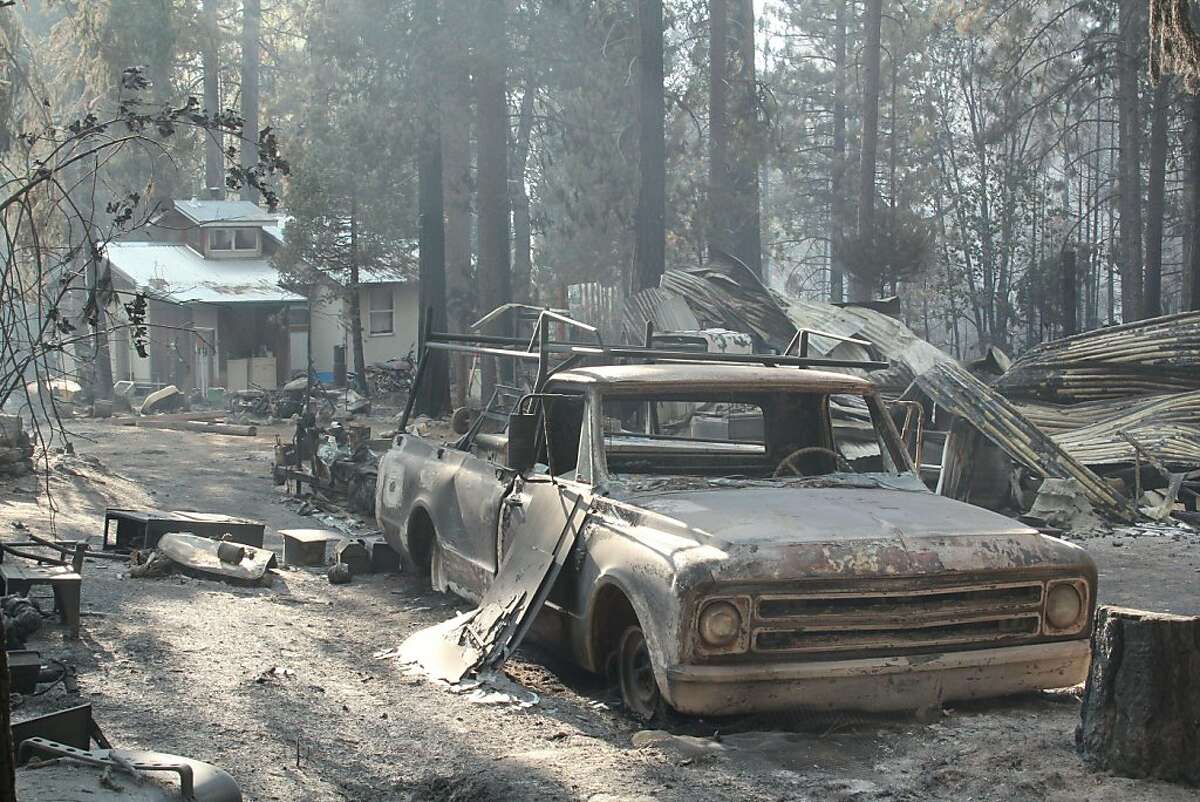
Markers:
point(720, 623)
point(1063, 606)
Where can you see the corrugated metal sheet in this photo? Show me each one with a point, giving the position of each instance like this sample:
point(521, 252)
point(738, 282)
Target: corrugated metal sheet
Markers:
point(724, 293)
point(956, 390)
point(669, 312)
point(1145, 357)
point(1168, 427)
point(180, 274)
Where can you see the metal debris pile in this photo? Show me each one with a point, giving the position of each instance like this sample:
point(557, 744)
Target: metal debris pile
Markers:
point(337, 461)
point(16, 449)
point(1113, 414)
point(1147, 357)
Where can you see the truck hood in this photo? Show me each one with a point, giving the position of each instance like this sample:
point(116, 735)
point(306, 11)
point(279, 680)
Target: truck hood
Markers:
point(783, 515)
point(787, 533)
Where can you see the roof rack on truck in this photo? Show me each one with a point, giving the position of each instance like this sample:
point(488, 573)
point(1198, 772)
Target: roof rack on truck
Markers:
point(540, 348)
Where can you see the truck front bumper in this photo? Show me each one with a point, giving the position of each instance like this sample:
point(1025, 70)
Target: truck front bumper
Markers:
point(876, 684)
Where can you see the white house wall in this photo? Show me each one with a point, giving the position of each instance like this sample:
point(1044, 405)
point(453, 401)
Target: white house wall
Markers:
point(327, 332)
point(405, 324)
point(331, 328)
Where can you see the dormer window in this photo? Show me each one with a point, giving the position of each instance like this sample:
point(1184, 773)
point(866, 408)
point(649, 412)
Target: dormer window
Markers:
point(233, 241)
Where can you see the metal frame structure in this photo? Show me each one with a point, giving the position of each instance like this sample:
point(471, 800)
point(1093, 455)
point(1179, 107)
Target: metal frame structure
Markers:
point(540, 348)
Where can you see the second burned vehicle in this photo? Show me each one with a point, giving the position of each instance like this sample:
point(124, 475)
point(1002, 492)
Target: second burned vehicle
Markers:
point(747, 534)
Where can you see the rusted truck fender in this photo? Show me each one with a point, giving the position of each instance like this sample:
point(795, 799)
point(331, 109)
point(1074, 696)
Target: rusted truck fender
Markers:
point(636, 555)
point(400, 492)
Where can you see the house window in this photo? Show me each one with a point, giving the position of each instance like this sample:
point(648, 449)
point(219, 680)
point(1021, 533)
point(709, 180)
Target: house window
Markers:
point(233, 239)
point(245, 239)
point(380, 308)
point(220, 239)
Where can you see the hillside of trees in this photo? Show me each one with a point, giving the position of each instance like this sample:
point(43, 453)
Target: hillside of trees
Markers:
point(1009, 169)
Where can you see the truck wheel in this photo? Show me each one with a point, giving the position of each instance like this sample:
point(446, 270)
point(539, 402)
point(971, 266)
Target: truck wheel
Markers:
point(635, 674)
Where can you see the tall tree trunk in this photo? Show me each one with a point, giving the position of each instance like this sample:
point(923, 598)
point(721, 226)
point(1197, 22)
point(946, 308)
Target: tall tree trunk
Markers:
point(1132, 30)
point(1093, 320)
point(251, 20)
point(434, 397)
point(356, 325)
point(837, 202)
point(1157, 205)
point(872, 20)
point(102, 377)
point(522, 264)
point(734, 217)
point(214, 172)
point(493, 201)
point(456, 176)
point(1192, 301)
point(650, 237)
point(1069, 284)
point(720, 195)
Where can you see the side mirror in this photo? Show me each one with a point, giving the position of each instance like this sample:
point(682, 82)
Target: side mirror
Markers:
point(522, 441)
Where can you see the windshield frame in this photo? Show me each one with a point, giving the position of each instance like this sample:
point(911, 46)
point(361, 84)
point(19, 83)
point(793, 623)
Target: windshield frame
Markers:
point(593, 439)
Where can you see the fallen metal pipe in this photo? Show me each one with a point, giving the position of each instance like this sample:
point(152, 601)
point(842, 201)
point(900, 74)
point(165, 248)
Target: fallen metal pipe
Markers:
point(208, 427)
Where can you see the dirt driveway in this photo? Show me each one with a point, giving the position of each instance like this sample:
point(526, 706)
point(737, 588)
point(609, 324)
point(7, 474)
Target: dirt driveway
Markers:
point(177, 665)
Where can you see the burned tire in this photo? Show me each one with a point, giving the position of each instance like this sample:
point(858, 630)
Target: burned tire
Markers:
point(635, 677)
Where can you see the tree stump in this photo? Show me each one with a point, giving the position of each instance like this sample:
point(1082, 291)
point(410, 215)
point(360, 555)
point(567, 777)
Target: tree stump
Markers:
point(1141, 706)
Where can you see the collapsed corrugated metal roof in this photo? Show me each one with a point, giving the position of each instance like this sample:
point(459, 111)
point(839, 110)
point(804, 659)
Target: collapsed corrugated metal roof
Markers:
point(1166, 426)
point(1140, 358)
point(726, 293)
point(668, 312)
point(953, 388)
point(178, 273)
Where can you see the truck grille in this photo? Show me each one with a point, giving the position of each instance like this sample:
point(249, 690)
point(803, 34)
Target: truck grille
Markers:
point(895, 621)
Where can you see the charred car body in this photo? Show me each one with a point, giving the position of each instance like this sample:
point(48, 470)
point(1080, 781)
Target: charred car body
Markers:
point(749, 535)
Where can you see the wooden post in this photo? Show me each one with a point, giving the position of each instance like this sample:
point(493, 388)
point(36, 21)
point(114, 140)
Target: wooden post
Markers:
point(1141, 706)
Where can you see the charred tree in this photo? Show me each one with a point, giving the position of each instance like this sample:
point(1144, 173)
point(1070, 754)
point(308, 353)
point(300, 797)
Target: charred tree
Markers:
point(650, 246)
point(434, 396)
point(1132, 31)
point(492, 194)
point(837, 201)
point(872, 23)
point(102, 377)
point(456, 180)
point(1070, 292)
point(214, 173)
point(251, 22)
point(734, 216)
point(1157, 203)
point(522, 263)
point(1141, 706)
point(1192, 301)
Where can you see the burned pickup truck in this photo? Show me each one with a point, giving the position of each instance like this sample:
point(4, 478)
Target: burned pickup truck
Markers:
point(746, 534)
